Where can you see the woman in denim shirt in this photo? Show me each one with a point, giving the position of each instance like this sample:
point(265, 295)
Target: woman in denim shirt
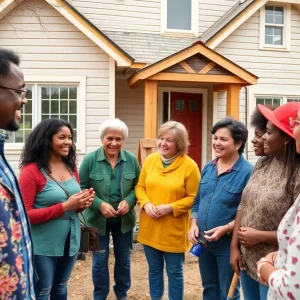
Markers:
point(216, 203)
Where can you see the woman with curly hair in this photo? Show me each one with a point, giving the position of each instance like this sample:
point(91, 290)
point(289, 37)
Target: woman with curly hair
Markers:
point(50, 187)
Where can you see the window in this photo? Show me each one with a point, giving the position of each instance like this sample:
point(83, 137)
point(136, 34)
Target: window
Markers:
point(275, 27)
point(274, 102)
point(180, 16)
point(53, 102)
point(52, 97)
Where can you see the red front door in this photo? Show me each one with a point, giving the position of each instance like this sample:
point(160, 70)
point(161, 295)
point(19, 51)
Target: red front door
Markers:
point(187, 109)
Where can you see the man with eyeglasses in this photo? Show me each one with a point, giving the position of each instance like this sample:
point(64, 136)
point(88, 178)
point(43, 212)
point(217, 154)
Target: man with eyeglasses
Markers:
point(16, 269)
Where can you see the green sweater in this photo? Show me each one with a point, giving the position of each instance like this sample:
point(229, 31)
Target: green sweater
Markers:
point(95, 172)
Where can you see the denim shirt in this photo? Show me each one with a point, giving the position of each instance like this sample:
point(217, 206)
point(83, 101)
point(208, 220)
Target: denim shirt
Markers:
point(218, 197)
point(15, 238)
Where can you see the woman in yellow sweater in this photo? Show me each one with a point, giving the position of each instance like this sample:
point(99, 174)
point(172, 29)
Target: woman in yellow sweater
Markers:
point(166, 190)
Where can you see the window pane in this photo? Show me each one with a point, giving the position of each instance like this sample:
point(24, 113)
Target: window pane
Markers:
point(29, 92)
point(54, 93)
point(269, 30)
point(72, 107)
point(45, 107)
point(278, 19)
point(73, 92)
point(45, 92)
point(27, 132)
point(268, 40)
point(45, 117)
point(276, 102)
point(54, 116)
point(19, 136)
point(64, 106)
point(269, 19)
point(28, 122)
point(179, 104)
point(64, 117)
point(73, 121)
point(63, 93)
point(74, 135)
point(179, 14)
point(27, 109)
point(54, 107)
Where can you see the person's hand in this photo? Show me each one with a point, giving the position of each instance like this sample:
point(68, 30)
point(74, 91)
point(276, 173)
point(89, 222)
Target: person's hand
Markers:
point(214, 234)
point(123, 208)
point(77, 201)
point(89, 201)
point(163, 209)
point(107, 210)
point(236, 260)
point(248, 236)
point(193, 233)
point(150, 210)
point(271, 256)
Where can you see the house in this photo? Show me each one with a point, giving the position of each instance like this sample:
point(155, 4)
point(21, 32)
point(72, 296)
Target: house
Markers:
point(148, 61)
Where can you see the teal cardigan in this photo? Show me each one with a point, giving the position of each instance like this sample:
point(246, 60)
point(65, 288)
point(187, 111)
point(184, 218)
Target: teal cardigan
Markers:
point(93, 174)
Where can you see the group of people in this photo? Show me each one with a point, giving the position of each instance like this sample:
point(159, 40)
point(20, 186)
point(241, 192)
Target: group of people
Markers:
point(249, 216)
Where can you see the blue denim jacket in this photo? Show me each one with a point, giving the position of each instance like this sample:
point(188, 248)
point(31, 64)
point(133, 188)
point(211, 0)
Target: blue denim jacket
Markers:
point(218, 197)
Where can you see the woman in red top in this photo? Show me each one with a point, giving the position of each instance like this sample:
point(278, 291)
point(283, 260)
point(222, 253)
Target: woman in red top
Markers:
point(50, 187)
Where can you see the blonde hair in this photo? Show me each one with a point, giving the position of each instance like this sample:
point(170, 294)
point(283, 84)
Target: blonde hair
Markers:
point(180, 134)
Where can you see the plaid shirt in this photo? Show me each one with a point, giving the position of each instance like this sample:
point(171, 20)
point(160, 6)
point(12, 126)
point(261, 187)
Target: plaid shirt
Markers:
point(16, 268)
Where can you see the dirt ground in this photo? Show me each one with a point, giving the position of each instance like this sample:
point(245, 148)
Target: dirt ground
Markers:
point(81, 286)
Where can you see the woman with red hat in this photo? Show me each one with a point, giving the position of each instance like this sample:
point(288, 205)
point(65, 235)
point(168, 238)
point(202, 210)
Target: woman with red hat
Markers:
point(270, 192)
point(281, 270)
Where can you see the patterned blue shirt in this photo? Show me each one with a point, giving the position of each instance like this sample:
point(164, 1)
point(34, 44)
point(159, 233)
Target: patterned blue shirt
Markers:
point(218, 197)
point(16, 268)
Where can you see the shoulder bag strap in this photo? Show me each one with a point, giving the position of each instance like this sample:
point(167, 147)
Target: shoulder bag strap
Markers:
point(120, 177)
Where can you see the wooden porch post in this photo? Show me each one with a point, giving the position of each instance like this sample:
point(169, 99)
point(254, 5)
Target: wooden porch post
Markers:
point(233, 101)
point(150, 110)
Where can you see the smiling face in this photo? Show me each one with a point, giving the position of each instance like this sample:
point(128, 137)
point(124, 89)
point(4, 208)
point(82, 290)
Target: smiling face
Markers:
point(258, 142)
point(167, 145)
point(274, 141)
point(11, 101)
point(61, 142)
point(224, 145)
point(112, 143)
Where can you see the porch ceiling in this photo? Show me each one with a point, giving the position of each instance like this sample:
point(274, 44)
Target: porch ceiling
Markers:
point(196, 63)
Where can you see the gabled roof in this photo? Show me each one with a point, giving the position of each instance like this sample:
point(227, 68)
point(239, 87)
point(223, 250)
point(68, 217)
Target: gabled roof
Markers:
point(78, 20)
point(213, 58)
point(235, 17)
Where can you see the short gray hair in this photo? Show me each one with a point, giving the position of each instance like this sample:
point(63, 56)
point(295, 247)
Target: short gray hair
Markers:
point(113, 125)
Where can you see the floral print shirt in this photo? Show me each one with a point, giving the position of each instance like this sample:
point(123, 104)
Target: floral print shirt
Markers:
point(16, 270)
point(285, 282)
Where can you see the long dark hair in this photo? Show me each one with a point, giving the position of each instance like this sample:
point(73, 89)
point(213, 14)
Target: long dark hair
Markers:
point(38, 145)
point(291, 165)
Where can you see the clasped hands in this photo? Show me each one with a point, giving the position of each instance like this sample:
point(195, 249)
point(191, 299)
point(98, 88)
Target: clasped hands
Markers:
point(157, 211)
point(80, 200)
point(108, 211)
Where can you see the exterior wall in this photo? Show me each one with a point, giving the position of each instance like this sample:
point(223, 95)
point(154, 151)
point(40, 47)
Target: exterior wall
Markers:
point(144, 15)
point(278, 71)
point(130, 109)
point(50, 45)
point(212, 11)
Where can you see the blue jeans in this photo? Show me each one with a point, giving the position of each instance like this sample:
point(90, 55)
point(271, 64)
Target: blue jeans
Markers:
point(122, 251)
point(54, 273)
point(216, 271)
point(174, 262)
point(252, 289)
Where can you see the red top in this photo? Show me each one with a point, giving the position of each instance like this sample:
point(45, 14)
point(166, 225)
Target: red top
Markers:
point(31, 182)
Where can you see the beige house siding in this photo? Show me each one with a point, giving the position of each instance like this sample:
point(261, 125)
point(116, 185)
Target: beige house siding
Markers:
point(278, 71)
point(130, 109)
point(51, 46)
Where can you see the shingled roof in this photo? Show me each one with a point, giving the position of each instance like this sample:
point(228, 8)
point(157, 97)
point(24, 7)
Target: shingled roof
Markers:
point(226, 19)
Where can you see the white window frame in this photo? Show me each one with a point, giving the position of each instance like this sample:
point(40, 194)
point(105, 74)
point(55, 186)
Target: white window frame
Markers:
point(265, 92)
point(37, 81)
point(179, 32)
point(286, 32)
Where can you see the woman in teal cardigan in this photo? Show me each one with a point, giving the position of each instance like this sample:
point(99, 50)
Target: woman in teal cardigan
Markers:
point(113, 174)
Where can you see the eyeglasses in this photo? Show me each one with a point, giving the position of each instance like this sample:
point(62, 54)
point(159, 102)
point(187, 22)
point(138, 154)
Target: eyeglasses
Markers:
point(293, 123)
point(22, 93)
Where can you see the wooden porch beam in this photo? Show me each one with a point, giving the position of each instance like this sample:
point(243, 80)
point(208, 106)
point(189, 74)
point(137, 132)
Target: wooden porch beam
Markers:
point(220, 87)
point(150, 110)
point(187, 67)
point(233, 101)
point(203, 78)
point(207, 68)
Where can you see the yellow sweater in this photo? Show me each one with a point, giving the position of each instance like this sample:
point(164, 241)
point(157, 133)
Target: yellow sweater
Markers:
point(176, 185)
